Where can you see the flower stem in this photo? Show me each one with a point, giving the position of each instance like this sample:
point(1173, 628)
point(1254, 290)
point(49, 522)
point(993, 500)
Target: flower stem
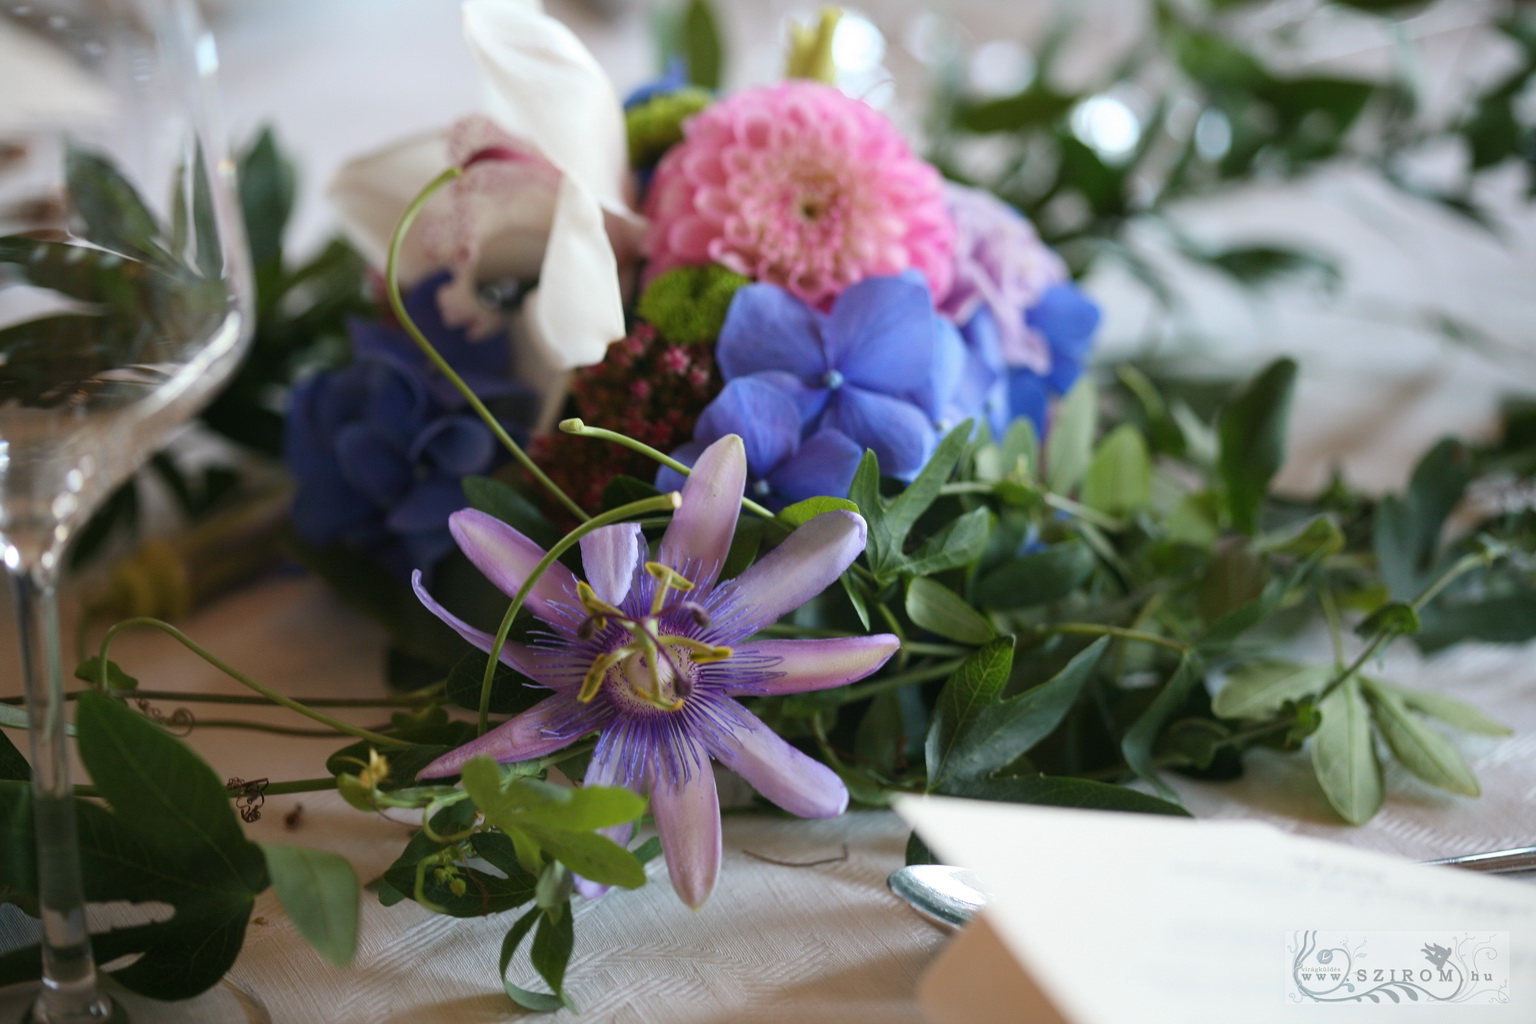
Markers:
point(176, 696)
point(239, 677)
point(1095, 629)
point(660, 503)
point(397, 303)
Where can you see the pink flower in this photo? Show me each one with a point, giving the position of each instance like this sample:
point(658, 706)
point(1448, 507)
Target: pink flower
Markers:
point(803, 187)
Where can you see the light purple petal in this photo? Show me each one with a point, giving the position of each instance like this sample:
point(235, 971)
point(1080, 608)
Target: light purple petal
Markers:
point(801, 785)
point(506, 557)
point(769, 329)
point(699, 537)
point(816, 664)
point(800, 568)
point(899, 433)
point(669, 479)
point(688, 821)
point(825, 464)
point(546, 668)
point(610, 555)
point(604, 770)
point(765, 416)
point(542, 729)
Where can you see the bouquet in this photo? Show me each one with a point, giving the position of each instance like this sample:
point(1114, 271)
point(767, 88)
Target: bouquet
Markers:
point(714, 429)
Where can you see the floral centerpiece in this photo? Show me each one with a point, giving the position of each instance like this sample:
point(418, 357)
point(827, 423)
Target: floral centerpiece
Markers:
point(722, 430)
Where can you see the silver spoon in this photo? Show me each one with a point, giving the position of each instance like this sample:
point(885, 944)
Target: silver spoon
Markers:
point(949, 896)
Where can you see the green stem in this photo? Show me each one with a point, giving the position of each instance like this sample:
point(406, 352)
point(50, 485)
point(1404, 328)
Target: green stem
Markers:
point(849, 694)
point(1082, 512)
point(1335, 622)
point(1095, 629)
point(580, 429)
point(239, 677)
point(397, 303)
point(660, 503)
point(272, 789)
point(176, 696)
point(240, 723)
point(916, 647)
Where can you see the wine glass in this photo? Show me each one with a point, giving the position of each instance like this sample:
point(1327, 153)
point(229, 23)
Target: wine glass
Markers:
point(125, 301)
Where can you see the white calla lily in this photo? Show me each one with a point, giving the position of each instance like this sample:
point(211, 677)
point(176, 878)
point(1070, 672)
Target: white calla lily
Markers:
point(551, 203)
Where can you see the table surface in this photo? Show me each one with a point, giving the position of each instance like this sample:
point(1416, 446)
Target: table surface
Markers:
point(828, 943)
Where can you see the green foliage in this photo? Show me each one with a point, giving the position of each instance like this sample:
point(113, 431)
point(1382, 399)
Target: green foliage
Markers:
point(1252, 430)
point(319, 891)
point(655, 126)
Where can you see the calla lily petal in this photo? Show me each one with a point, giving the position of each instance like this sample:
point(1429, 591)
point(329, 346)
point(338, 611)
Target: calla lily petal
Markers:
point(808, 561)
point(687, 814)
point(610, 556)
point(805, 665)
point(699, 536)
point(370, 193)
point(507, 557)
point(542, 729)
point(793, 781)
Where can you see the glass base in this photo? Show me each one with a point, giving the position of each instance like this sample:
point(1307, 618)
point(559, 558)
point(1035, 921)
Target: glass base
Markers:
point(226, 1003)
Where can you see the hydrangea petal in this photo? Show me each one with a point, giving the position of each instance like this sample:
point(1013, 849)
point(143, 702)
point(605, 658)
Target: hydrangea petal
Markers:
point(373, 463)
point(825, 464)
point(506, 558)
point(769, 329)
point(880, 331)
point(699, 536)
point(898, 432)
point(801, 785)
point(804, 565)
point(1067, 318)
point(688, 821)
point(765, 417)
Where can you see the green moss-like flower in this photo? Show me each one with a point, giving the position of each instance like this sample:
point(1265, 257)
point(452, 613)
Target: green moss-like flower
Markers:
point(657, 125)
point(687, 305)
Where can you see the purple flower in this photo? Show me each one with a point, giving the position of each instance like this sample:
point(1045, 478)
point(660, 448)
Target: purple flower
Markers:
point(1000, 265)
point(652, 655)
point(781, 468)
point(880, 368)
point(378, 448)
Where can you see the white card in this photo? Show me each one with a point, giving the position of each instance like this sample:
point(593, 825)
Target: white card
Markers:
point(1144, 919)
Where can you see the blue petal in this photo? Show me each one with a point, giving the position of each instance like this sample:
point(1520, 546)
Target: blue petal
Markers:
point(766, 418)
point(899, 433)
point(825, 464)
point(672, 79)
point(427, 507)
point(455, 446)
point(325, 510)
point(981, 392)
point(769, 329)
point(1029, 395)
point(880, 332)
point(1068, 319)
point(809, 400)
point(373, 463)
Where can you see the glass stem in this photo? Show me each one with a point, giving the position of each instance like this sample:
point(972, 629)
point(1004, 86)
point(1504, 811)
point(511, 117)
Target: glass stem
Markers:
point(70, 994)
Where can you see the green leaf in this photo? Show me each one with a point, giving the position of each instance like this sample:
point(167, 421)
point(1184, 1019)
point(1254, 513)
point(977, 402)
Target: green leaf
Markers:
point(319, 891)
point(802, 512)
point(539, 1002)
point(1344, 755)
point(404, 761)
point(511, 691)
point(1420, 749)
point(1447, 709)
point(701, 45)
point(90, 671)
point(905, 509)
point(1038, 577)
point(976, 684)
point(13, 766)
point(1140, 739)
point(495, 498)
point(1252, 433)
point(622, 490)
point(552, 946)
point(960, 543)
point(1037, 105)
point(856, 598)
point(540, 815)
point(1260, 689)
point(1502, 619)
point(1318, 536)
point(113, 214)
point(1052, 791)
point(997, 732)
point(1407, 529)
point(1021, 448)
point(1394, 617)
point(1069, 447)
point(1119, 479)
point(936, 608)
point(267, 188)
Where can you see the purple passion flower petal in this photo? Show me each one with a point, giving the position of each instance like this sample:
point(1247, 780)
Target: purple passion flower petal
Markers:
point(610, 555)
point(542, 729)
point(506, 558)
point(795, 782)
point(804, 665)
point(687, 812)
point(699, 536)
point(543, 667)
point(808, 561)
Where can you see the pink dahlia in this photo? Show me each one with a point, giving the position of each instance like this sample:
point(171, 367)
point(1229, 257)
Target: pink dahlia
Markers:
point(800, 186)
